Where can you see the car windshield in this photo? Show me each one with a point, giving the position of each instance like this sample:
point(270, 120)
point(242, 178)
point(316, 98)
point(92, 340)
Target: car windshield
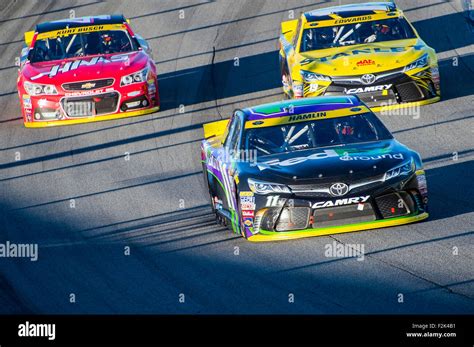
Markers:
point(338, 131)
point(358, 33)
point(79, 45)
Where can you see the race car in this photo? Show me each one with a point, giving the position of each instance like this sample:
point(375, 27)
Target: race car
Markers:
point(370, 50)
point(310, 167)
point(83, 70)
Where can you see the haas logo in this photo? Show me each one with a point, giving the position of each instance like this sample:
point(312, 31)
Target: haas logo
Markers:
point(365, 62)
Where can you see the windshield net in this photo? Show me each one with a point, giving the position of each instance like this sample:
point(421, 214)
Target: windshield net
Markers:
point(313, 134)
point(79, 45)
point(353, 34)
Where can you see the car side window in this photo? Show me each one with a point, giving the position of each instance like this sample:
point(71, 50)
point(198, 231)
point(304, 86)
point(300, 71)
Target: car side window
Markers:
point(297, 33)
point(232, 139)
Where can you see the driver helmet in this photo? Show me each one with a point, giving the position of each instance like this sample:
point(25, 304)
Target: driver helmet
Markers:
point(106, 40)
point(381, 28)
point(344, 129)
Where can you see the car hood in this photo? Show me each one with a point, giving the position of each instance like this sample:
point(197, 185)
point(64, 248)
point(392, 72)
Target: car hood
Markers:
point(331, 163)
point(85, 68)
point(364, 58)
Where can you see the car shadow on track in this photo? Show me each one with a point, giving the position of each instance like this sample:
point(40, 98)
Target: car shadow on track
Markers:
point(457, 76)
point(220, 80)
point(450, 190)
point(447, 32)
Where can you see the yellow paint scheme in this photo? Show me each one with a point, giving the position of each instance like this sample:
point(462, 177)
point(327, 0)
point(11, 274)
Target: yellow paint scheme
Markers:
point(261, 123)
point(29, 37)
point(278, 236)
point(43, 124)
point(350, 60)
point(51, 34)
point(288, 28)
point(217, 128)
point(78, 30)
point(357, 19)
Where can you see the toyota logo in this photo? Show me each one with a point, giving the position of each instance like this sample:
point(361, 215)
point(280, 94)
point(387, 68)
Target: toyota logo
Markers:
point(368, 78)
point(339, 189)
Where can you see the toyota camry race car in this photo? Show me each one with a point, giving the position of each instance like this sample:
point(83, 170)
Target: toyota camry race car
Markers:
point(85, 69)
point(370, 50)
point(310, 167)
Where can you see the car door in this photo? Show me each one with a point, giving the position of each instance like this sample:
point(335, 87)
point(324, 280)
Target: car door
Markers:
point(225, 158)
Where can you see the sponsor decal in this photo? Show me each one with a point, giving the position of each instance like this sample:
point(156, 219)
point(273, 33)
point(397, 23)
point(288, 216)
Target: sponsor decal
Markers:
point(341, 202)
point(88, 85)
point(339, 189)
point(247, 199)
point(293, 161)
point(368, 89)
point(368, 78)
point(246, 193)
point(353, 20)
point(248, 222)
point(79, 30)
point(328, 153)
point(89, 92)
point(347, 157)
point(248, 213)
point(76, 64)
point(365, 62)
point(306, 116)
point(368, 50)
point(27, 102)
point(248, 206)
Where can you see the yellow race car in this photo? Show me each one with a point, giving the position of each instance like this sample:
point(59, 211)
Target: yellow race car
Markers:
point(370, 50)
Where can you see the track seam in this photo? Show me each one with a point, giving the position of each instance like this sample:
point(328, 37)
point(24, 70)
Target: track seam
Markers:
point(440, 286)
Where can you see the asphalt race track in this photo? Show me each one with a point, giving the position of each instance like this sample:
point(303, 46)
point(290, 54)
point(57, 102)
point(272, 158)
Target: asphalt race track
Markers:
point(86, 192)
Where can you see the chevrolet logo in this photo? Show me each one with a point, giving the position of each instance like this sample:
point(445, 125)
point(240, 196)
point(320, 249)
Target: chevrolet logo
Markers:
point(88, 85)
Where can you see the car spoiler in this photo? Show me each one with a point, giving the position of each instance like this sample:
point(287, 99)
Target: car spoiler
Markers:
point(288, 29)
point(29, 35)
point(216, 128)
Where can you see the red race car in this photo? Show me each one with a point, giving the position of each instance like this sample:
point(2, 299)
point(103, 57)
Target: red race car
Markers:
point(85, 69)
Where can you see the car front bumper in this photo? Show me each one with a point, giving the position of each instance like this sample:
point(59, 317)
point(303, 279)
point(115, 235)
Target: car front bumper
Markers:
point(265, 235)
point(89, 106)
point(390, 90)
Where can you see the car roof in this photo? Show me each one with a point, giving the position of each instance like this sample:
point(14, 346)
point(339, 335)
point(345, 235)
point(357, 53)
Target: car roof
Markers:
point(302, 106)
point(79, 22)
point(352, 10)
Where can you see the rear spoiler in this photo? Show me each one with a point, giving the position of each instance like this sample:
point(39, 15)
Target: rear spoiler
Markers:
point(288, 29)
point(215, 128)
point(29, 35)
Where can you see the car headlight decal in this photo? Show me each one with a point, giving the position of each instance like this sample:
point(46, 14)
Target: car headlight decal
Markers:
point(136, 77)
point(35, 89)
point(401, 170)
point(261, 187)
point(419, 63)
point(312, 77)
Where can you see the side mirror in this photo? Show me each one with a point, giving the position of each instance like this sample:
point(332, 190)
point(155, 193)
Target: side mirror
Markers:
point(144, 45)
point(23, 56)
